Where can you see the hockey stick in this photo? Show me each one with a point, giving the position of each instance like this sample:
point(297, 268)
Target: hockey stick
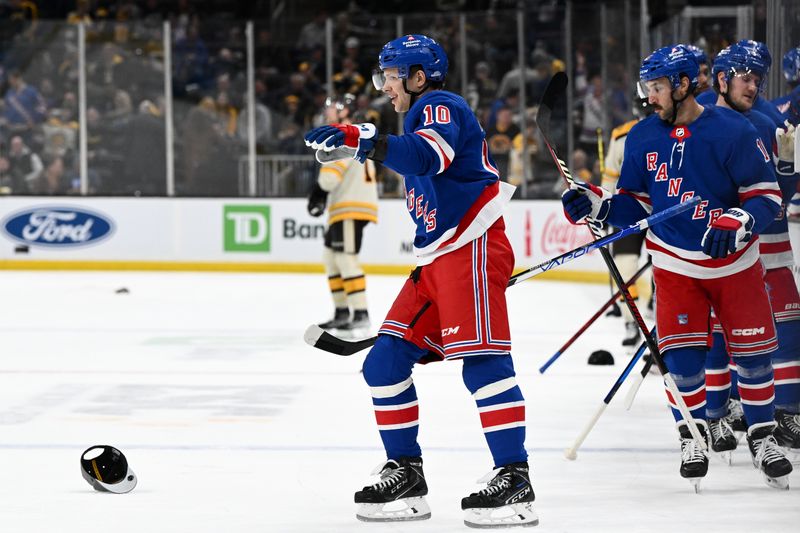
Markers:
point(319, 338)
point(555, 88)
point(637, 383)
point(571, 453)
point(615, 310)
point(593, 318)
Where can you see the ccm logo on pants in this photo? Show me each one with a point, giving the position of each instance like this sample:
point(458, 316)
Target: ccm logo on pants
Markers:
point(746, 332)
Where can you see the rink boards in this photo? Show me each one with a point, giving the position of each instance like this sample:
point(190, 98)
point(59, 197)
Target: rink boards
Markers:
point(244, 235)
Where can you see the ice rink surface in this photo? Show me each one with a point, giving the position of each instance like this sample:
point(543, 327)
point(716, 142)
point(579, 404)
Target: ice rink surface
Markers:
point(234, 425)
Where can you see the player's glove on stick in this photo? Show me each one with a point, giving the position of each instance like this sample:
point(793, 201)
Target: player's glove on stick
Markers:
point(785, 140)
point(728, 233)
point(316, 200)
point(586, 202)
point(360, 137)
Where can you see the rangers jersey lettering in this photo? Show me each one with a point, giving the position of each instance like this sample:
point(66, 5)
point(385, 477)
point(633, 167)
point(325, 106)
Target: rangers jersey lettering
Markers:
point(719, 157)
point(453, 191)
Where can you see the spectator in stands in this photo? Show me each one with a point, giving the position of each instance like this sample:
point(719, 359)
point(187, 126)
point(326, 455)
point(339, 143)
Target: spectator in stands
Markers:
point(145, 170)
point(482, 89)
point(190, 62)
point(313, 33)
point(593, 114)
point(53, 180)
point(25, 166)
point(60, 133)
point(82, 13)
point(24, 106)
point(265, 135)
point(499, 137)
point(270, 54)
point(348, 80)
point(6, 183)
point(513, 79)
point(516, 170)
point(352, 50)
point(227, 114)
point(580, 165)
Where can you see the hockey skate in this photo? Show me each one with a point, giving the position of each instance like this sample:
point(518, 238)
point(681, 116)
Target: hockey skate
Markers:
point(736, 419)
point(787, 434)
point(694, 460)
point(723, 440)
point(398, 496)
point(341, 317)
point(768, 457)
point(632, 334)
point(506, 501)
point(358, 327)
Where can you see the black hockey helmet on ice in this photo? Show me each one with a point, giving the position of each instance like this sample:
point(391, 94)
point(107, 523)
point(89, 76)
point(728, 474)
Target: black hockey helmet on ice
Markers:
point(601, 357)
point(106, 470)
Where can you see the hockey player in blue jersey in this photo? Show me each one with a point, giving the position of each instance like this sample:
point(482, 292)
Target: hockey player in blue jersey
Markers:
point(703, 259)
point(453, 305)
point(704, 72)
point(788, 105)
point(762, 105)
point(739, 77)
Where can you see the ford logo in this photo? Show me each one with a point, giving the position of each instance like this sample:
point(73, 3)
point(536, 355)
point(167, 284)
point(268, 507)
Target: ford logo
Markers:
point(58, 226)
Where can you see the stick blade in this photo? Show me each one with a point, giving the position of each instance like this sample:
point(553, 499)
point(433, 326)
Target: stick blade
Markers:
point(555, 89)
point(318, 338)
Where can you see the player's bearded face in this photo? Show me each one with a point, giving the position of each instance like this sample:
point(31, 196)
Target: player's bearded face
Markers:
point(659, 96)
point(743, 89)
point(393, 87)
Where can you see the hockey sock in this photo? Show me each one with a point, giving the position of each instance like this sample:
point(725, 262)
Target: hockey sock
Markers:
point(490, 379)
point(786, 367)
point(355, 284)
point(734, 379)
point(718, 378)
point(756, 387)
point(687, 368)
point(334, 279)
point(387, 371)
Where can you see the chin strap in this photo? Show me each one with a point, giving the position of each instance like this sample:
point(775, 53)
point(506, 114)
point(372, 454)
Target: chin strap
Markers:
point(676, 105)
point(414, 95)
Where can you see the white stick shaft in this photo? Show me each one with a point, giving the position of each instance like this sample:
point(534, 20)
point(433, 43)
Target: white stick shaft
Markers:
point(682, 407)
point(586, 430)
point(637, 382)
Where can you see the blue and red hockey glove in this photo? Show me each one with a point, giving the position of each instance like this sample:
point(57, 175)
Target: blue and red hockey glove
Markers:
point(360, 137)
point(729, 233)
point(586, 202)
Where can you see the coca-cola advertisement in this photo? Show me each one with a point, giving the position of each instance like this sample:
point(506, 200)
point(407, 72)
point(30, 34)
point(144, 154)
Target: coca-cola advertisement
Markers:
point(538, 230)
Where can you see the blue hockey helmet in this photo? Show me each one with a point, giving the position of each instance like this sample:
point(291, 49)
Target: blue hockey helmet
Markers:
point(760, 49)
point(405, 52)
point(699, 54)
point(791, 65)
point(739, 59)
point(671, 62)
